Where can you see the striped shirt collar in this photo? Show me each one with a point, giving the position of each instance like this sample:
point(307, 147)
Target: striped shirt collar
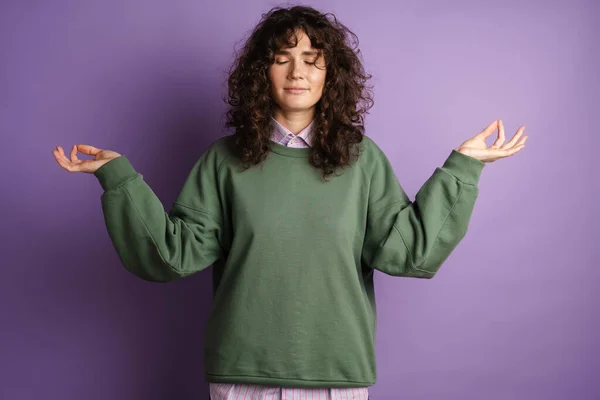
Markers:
point(280, 134)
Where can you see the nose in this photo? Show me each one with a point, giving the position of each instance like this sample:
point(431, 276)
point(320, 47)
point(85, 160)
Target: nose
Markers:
point(295, 71)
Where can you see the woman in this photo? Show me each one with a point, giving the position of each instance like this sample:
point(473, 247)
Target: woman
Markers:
point(294, 210)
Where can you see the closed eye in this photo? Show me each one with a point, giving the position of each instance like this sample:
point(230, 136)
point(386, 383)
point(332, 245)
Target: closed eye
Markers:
point(285, 62)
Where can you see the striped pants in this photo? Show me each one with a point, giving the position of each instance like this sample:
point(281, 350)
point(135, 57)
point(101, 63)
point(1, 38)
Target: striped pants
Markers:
point(260, 392)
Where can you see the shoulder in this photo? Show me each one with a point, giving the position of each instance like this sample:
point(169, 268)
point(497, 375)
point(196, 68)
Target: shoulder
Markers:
point(220, 147)
point(370, 149)
point(371, 155)
point(218, 152)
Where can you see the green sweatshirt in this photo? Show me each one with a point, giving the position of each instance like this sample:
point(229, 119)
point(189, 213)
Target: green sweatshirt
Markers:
point(293, 256)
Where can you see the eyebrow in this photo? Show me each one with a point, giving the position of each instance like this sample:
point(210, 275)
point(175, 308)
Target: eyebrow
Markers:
point(304, 53)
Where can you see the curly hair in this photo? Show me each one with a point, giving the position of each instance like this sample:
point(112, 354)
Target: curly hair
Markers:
point(339, 121)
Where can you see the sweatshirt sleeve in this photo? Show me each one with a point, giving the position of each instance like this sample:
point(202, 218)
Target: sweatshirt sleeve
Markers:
point(414, 238)
point(151, 243)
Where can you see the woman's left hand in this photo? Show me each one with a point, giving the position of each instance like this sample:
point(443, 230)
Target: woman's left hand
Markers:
point(476, 147)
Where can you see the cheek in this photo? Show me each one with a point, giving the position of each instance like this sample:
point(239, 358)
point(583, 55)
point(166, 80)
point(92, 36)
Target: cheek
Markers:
point(318, 78)
point(318, 83)
point(275, 85)
point(272, 77)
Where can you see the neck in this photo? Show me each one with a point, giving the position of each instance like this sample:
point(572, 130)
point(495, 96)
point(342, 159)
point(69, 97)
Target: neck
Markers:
point(294, 121)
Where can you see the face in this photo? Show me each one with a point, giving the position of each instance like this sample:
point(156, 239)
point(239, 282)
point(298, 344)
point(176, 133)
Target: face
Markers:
point(296, 68)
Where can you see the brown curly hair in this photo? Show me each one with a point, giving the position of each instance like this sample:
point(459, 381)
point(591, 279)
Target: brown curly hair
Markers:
point(339, 121)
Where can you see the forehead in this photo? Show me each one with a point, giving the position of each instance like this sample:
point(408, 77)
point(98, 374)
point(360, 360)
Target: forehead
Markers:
point(304, 46)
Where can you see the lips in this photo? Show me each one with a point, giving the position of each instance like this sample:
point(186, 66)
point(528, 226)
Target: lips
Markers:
point(295, 90)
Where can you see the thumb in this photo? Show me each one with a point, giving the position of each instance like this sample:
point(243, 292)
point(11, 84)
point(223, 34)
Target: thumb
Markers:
point(87, 149)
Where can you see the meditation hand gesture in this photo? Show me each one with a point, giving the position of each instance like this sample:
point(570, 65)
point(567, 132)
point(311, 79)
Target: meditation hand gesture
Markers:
point(476, 147)
point(77, 165)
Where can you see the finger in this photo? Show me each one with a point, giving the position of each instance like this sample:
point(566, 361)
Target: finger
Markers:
point(516, 149)
point(64, 162)
point(515, 138)
point(503, 153)
point(74, 154)
point(500, 153)
point(56, 155)
point(87, 149)
point(522, 140)
point(500, 140)
point(488, 130)
point(61, 155)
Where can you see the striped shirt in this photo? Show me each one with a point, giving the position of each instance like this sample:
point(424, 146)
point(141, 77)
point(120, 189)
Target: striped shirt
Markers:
point(234, 391)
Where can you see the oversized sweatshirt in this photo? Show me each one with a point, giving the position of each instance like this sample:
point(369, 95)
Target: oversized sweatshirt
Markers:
point(302, 314)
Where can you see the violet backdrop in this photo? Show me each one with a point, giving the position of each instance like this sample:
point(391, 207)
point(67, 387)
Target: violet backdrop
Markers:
point(512, 314)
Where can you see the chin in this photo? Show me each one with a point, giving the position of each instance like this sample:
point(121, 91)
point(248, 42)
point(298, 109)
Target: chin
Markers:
point(295, 105)
point(296, 108)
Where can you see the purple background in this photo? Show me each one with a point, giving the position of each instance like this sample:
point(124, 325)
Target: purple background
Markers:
point(512, 314)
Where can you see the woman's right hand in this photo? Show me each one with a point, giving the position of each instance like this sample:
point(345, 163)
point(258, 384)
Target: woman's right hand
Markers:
point(77, 165)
